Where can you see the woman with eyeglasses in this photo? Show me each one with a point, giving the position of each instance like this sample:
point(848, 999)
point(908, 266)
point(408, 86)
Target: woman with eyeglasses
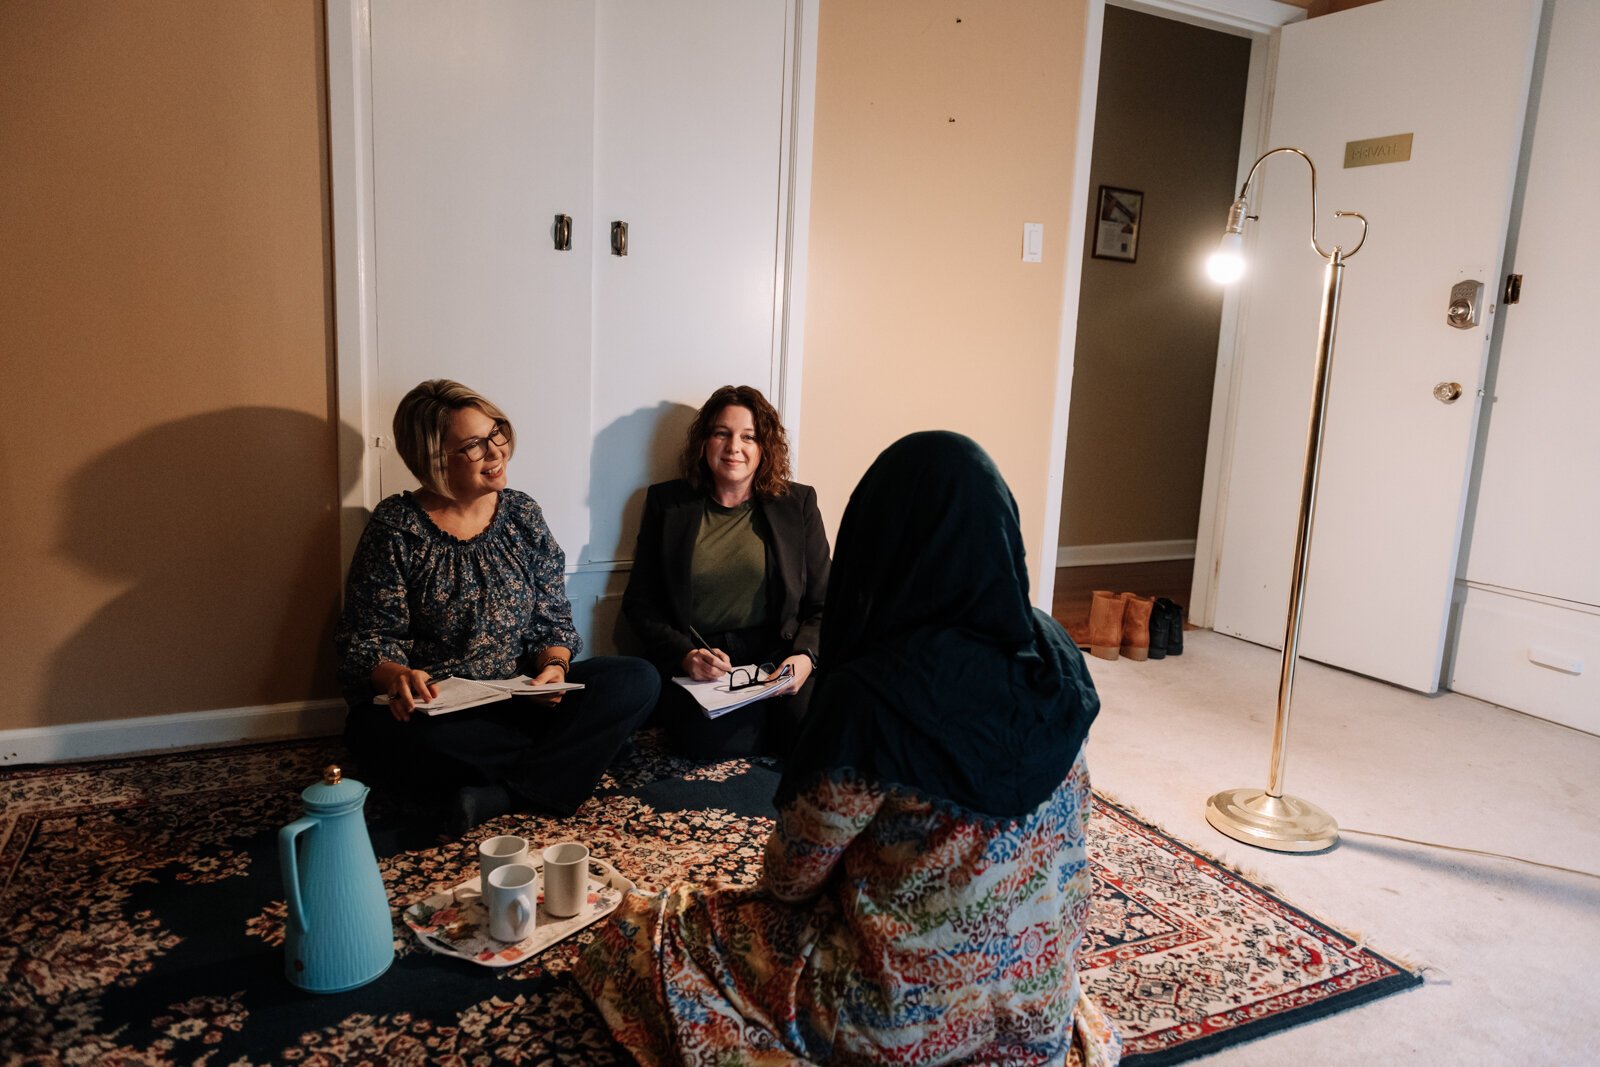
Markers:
point(463, 579)
point(730, 571)
point(926, 886)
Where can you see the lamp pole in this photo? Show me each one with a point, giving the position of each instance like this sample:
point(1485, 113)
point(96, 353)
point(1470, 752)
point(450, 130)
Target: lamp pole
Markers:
point(1270, 818)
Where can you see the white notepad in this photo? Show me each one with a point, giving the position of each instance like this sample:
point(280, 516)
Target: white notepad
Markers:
point(717, 698)
point(457, 694)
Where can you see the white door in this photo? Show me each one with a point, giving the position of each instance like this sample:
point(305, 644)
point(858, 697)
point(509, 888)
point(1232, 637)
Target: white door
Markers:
point(1395, 461)
point(482, 130)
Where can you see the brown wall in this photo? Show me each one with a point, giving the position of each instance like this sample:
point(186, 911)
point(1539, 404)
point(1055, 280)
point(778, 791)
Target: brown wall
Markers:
point(1167, 123)
point(941, 128)
point(168, 489)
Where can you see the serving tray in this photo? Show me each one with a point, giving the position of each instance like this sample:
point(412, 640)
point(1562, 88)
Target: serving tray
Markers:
point(455, 922)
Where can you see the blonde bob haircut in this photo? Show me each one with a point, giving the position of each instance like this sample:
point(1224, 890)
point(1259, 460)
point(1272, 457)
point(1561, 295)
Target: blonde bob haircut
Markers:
point(423, 419)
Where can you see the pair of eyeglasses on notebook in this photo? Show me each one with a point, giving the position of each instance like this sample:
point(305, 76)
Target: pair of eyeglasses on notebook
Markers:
point(766, 674)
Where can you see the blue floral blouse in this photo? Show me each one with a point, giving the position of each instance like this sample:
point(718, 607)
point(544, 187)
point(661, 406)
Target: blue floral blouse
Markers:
point(473, 609)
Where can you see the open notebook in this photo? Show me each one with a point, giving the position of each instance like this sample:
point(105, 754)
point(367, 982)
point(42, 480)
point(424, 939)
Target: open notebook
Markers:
point(458, 693)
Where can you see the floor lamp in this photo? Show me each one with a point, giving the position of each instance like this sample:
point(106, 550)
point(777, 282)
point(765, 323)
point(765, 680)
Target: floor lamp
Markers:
point(1268, 818)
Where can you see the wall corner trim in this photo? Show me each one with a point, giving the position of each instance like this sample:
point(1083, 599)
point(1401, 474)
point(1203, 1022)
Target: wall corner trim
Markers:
point(1229, 16)
point(121, 737)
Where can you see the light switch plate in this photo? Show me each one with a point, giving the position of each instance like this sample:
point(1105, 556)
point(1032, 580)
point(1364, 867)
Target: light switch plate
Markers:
point(1032, 242)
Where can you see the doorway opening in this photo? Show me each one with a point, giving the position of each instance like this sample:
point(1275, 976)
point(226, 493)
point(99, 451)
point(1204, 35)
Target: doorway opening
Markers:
point(1169, 117)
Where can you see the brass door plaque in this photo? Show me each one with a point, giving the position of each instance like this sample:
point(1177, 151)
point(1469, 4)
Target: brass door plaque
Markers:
point(1376, 150)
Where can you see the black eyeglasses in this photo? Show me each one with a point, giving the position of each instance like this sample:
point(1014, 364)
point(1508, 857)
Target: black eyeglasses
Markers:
point(766, 674)
point(478, 447)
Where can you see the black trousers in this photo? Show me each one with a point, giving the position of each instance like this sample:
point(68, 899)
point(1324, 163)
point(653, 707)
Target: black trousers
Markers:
point(767, 727)
point(548, 757)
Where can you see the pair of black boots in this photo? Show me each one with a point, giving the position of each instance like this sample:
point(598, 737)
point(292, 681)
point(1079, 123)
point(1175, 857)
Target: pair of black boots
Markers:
point(1166, 629)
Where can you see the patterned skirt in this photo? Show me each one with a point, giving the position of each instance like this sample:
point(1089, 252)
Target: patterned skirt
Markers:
point(727, 975)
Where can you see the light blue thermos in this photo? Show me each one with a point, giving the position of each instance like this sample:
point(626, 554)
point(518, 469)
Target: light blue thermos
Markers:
point(338, 933)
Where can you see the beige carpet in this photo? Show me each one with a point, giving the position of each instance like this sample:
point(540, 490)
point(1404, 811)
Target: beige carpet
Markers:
point(1511, 950)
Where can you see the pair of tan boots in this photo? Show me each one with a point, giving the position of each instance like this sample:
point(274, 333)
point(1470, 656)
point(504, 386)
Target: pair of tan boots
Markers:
point(1122, 624)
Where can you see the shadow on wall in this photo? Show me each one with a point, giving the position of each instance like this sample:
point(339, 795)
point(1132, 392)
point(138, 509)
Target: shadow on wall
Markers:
point(225, 529)
point(631, 454)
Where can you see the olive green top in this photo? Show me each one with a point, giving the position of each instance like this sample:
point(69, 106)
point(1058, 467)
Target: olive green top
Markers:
point(728, 575)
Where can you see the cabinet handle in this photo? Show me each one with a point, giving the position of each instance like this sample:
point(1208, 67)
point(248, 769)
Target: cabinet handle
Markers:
point(563, 233)
point(619, 238)
point(1558, 661)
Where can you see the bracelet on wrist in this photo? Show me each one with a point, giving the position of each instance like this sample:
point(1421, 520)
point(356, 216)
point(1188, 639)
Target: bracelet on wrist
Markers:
point(557, 661)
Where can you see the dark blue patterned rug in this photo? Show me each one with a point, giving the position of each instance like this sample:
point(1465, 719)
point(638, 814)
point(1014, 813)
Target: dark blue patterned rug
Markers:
point(141, 920)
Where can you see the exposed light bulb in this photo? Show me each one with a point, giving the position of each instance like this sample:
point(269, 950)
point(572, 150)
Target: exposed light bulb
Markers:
point(1226, 264)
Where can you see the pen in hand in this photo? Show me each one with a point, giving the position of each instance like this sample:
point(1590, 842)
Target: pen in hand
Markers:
point(719, 663)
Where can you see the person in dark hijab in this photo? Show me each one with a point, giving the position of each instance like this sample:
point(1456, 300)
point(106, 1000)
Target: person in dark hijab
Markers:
point(926, 886)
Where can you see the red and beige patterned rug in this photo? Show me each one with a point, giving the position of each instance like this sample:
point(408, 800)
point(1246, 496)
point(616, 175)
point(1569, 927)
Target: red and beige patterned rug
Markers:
point(141, 913)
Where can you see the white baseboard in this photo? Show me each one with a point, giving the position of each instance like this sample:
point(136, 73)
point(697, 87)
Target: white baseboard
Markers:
point(118, 737)
point(1125, 552)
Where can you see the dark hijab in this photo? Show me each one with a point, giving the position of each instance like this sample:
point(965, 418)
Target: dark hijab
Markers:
point(937, 673)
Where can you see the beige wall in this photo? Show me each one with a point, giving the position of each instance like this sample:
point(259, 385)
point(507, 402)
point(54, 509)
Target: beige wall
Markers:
point(941, 128)
point(168, 497)
point(1167, 123)
point(167, 474)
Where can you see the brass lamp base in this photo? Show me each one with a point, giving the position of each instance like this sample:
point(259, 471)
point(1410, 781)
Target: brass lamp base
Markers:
point(1283, 824)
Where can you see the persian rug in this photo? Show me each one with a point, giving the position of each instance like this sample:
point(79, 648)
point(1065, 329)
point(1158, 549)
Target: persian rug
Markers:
point(142, 911)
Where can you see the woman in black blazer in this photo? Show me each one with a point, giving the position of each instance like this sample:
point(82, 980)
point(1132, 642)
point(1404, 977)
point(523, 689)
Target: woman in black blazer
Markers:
point(733, 553)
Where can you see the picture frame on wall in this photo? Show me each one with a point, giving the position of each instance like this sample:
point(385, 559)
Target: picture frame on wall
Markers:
point(1116, 224)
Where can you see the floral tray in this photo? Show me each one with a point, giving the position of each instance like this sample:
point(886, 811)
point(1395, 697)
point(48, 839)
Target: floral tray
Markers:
point(454, 922)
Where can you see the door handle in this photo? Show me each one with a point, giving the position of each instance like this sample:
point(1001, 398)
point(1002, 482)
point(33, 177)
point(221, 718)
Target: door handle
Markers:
point(1447, 392)
point(563, 233)
point(619, 238)
point(1466, 301)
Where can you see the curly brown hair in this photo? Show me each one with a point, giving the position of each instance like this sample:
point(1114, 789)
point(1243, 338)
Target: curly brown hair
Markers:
point(772, 477)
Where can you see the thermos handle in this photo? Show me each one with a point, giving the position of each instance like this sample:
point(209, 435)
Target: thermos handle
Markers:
point(291, 869)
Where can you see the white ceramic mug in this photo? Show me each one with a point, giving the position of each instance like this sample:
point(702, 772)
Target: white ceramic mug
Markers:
point(511, 896)
point(566, 878)
point(496, 852)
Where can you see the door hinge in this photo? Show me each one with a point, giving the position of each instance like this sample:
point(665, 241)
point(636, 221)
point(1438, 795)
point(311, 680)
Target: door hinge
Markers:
point(1513, 290)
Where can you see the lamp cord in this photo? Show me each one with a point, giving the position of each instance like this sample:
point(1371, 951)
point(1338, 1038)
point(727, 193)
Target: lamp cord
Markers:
point(1471, 852)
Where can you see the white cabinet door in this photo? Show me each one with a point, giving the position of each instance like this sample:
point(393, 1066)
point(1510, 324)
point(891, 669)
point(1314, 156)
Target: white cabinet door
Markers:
point(1537, 521)
point(689, 106)
point(1528, 635)
point(1454, 74)
point(482, 120)
point(489, 119)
